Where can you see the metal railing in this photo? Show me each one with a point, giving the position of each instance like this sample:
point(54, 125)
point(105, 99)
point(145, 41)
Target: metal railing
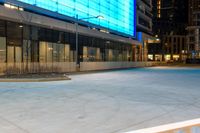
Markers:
point(191, 126)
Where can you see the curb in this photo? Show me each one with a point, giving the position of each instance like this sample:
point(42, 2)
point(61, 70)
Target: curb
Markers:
point(34, 80)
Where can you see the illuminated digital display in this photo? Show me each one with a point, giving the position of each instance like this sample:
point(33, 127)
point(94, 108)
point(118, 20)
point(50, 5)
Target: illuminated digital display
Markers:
point(119, 15)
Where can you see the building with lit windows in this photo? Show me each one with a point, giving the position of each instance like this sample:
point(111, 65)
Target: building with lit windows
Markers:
point(144, 26)
point(55, 35)
point(144, 16)
point(169, 26)
point(194, 29)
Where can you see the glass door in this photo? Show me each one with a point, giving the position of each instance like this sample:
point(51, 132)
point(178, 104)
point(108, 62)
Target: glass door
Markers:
point(18, 54)
point(14, 54)
point(10, 54)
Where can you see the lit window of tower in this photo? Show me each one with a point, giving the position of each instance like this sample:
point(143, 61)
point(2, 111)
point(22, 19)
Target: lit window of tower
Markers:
point(159, 8)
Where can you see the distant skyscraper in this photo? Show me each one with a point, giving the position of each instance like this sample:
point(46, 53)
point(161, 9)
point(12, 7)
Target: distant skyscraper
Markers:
point(144, 25)
point(169, 24)
point(170, 17)
point(144, 16)
point(194, 28)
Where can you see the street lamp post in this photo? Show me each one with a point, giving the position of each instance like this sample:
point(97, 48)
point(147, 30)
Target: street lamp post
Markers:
point(77, 48)
point(77, 32)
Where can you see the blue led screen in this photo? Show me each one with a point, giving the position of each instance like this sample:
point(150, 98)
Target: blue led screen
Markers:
point(119, 15)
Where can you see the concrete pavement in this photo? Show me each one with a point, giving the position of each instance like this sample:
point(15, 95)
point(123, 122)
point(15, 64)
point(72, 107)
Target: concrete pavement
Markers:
point(107, 102)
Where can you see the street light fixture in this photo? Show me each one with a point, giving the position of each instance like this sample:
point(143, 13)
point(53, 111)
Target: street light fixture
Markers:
point(76, 24)
point(100, 17)
point(157, 39)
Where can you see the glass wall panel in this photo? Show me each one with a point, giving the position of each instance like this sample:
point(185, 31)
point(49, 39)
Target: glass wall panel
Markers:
point(24, 46)
point(98, 54)
point(34, 33)
point(85, 54)
point(72, 56)
point(119, 14)
point(42, 52)
point(14, 42)
point(27, 51)
point(2, 29)
point(91, 54)
point(10, 54)
point(34, 51)
point(115, 55)
point(18, 54)
point(14, 54)
point(49, 52)
point(2, 49)
point(61, 52)
point(110, 55)
point(54, 52)
point(67, 52)
point(104, 50)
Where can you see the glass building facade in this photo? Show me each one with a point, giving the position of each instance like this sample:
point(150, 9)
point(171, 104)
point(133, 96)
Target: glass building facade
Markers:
point(30, 42)
point(26, 43)
point(119, 15)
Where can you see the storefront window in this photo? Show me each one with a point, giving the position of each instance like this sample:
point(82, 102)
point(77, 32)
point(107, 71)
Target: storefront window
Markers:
point(18, 54)
point(67, 53)
point(116, 55)
point(54, 52)
point(2, 29)
point(49, 52)
point(2, 42)
point(10, 54)
point(2, 49)
point(109, 55)
point(91, 54)
point(14, 42)
point(34, 51)
point(27, 51)
point(61, 52)
point(42, 52)
point(36, 44)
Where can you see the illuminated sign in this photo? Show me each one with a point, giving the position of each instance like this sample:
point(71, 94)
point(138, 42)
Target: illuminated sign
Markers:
point(119, 15)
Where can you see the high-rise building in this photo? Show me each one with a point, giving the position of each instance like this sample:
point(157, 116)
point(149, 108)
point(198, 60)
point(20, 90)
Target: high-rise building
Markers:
point(170, 17)
point(144, 25)
point(169, 25)
point(144, 16)
point(194, 29)
point(60, 34)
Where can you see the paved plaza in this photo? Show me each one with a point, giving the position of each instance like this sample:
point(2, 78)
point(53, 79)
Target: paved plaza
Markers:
point(105, 102)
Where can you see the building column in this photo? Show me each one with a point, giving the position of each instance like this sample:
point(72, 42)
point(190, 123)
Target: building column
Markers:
point(134, 53)
point(181, 49)
point(145, 51)
point(197, 43)
point(172, 48)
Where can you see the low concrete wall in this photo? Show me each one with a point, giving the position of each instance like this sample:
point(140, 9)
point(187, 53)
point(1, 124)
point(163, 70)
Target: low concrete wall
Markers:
point(62, 67)
point(92, 66)
point(21, 68)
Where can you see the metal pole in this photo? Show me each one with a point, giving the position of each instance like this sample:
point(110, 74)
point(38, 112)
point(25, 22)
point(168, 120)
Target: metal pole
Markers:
point(77, 48)
point(143, 53)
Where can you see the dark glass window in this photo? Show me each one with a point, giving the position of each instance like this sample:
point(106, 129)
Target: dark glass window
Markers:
point(14, 42)
point(2, 28)
point(2, 42)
